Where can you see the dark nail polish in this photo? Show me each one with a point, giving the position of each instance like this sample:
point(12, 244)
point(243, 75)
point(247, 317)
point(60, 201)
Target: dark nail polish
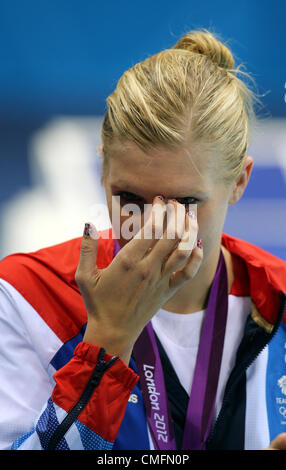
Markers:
point(90, 231)
point(86, 231)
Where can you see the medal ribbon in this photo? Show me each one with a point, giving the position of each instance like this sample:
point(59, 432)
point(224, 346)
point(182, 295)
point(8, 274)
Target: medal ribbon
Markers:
point(206, 375)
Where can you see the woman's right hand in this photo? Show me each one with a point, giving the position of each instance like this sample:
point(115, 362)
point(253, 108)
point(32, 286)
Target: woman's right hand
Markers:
point(122, 298)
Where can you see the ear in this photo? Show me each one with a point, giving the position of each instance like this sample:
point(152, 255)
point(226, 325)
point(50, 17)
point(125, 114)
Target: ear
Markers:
point(100, 148)
point(242, 181)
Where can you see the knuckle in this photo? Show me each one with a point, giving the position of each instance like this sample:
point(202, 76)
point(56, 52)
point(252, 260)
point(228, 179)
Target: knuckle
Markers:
point(187, 275)
point(127, 262)
point(85, 249)
point(199, 254)
point(174, 233)
point(180, 230)
point(144, 273)
point(182, 254)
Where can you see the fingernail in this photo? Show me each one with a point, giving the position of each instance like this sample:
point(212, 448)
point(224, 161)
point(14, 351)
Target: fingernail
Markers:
point(90, 231)
point(200, 243)
point(161, 197)
point(192, 214)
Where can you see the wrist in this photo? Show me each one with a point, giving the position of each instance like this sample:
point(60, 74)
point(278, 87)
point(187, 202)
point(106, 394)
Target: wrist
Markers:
point(113, 344)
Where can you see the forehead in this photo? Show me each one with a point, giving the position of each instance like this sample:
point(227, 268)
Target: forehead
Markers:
point(181, 169)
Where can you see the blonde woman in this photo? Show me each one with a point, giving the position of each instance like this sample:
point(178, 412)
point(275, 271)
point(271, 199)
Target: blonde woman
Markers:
point(173, 337)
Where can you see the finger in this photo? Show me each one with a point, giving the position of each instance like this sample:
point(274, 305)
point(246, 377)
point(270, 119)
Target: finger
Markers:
point(175, 229)
point(178, 278)
point(152, 230)
point(189, 238)
point(180, 255)
point(88, 254)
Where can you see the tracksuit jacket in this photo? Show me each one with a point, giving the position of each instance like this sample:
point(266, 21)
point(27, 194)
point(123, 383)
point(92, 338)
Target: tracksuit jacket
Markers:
point(96, 400)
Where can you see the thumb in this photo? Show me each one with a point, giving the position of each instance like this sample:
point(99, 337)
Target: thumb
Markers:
point(88, 254)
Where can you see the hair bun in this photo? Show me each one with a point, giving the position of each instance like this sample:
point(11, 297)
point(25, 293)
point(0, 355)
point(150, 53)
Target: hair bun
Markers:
point(205, 43)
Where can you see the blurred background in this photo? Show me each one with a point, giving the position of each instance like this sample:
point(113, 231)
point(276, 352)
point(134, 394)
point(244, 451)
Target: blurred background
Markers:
point(60, 59)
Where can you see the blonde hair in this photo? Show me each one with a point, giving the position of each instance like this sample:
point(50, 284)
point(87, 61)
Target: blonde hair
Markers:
point(190, 95)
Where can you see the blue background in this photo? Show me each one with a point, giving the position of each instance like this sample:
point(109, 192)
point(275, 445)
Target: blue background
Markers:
point(63, 58)
point(66, 56)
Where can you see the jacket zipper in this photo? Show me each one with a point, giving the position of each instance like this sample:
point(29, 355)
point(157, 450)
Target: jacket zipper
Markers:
point(100, 369)
point(242, 368)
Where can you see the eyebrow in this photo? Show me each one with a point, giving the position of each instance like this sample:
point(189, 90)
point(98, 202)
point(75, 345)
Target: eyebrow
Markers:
point(125, 186)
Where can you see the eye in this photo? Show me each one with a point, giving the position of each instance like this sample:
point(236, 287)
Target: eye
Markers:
point(187, 200)
point(125, 196)
point(129, 197)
